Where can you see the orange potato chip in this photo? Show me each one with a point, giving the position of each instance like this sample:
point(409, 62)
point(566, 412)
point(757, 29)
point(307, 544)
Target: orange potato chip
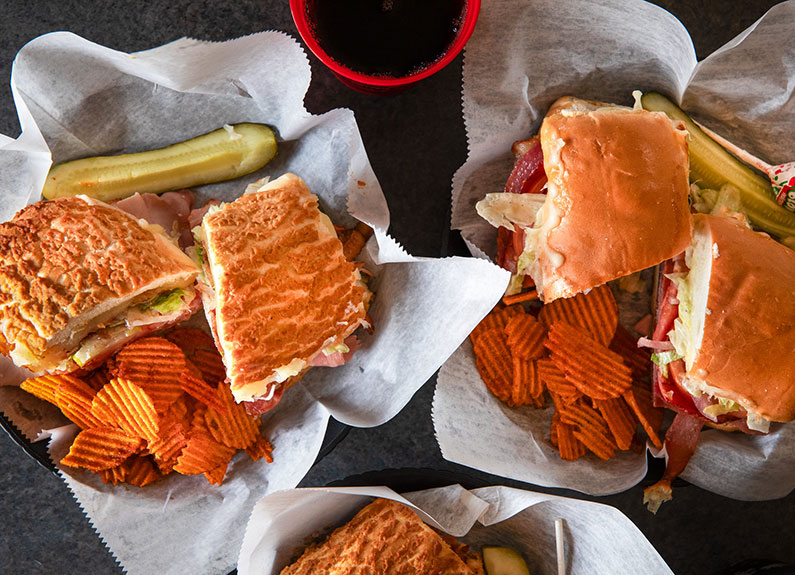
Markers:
point(589, 427)
point(569, 447)
point(596, 312)
point(650, 417)
point(527, 387)
point(172, 436)
point(194, 385)
point(261, 448)
point(493, 360)
point(202, 454)
point(555, 380)
point(216, 476)
point(497, 319)
point(190, 339)
point(526, 336)
point(156, 365)
point(637, 358)
point(126, 405)
point(43, 387)
point(101, 448)
point(619, 418)
point(97, 378)
point(232, 427)
point(593, 369)
point(553, 428)
point(211, 365)
point(138, 471)
point(75, 398)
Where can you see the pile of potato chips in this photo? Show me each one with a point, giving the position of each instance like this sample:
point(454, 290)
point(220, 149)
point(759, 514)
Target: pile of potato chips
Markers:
point(589, 364)
point(160, 405)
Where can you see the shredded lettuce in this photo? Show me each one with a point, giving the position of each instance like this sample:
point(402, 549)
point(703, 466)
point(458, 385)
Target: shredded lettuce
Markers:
point(165, 302)
point(682, 334)
point(663, 358)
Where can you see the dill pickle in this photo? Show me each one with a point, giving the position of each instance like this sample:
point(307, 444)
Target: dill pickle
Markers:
point(226, 153)
point(711, 166)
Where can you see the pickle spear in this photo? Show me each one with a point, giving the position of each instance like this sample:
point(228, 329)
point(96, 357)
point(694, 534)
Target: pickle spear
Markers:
point(226, 153)
point(711, 166)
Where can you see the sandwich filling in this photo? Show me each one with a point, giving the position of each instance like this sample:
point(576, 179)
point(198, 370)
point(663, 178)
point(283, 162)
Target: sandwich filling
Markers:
point(677, 339)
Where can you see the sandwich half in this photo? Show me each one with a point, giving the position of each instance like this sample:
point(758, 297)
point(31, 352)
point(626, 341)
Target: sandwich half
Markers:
point(725, 333)
point(387, 538)
point(616, 197)
point(80, 278)
point(280, 295)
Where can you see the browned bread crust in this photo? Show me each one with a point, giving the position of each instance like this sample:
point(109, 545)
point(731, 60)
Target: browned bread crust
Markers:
point(385, 537)
point(619, 180)
point(748, 347)
point(62, 258)
point(284, 289)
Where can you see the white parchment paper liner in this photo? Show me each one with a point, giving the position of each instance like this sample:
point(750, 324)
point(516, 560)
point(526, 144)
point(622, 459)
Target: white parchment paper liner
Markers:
point(598, 539)
point(522, 57)
point(77, 99)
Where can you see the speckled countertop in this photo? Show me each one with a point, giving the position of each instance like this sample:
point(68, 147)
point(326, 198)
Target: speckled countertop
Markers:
point(42, 530)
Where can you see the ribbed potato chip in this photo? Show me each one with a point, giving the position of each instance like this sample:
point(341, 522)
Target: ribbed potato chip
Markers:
point(75, 398)
point(596, 312)
point(194, 385)
point(637, 358)
point(261, 448)
point(593, 369)
point(216, 476)
point(569, 447)
point(527, 387)
point(172, 437)
point(589, 427)
point(493, 360)
point(232, 427)
point(43, 387)
point(101, 448)
point(640, 400)
point(202, 454)
point(619, 418)
point(496, 319)
point(155, 364)
point(200, 349)
point(137, 470)
point(526, 336)
point(123, 404)
point(555, 380)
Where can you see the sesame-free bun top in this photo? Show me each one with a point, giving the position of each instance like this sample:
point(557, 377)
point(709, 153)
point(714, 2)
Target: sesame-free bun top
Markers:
point(69, 264)
point(283, 288)
point(617, 199)
point(747, 351)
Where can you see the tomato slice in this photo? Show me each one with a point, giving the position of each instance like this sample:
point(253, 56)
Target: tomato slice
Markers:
point(527, 177)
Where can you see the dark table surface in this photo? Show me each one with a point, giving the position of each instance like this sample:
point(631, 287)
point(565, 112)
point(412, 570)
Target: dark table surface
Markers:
point(42, 529)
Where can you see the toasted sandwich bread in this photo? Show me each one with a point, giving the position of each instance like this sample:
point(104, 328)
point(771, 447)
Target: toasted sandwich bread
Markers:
point(386, 538)
point(280, 289)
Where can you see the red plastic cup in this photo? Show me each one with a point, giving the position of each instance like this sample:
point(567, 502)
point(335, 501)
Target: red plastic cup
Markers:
point(383, 84)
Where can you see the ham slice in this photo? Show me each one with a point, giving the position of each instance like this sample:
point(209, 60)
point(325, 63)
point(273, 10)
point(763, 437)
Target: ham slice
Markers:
point(655, 345)
point(170, 211)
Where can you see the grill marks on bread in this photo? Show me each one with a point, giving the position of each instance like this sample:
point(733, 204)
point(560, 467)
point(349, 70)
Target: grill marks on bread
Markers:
point(284, 288)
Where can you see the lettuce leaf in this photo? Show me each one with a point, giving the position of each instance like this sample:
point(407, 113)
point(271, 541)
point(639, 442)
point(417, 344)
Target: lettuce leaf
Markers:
point(165, 302)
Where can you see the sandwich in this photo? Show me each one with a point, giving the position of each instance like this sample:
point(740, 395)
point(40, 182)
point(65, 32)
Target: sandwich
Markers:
point(80, 278)
point(278, 292)
point(616, 200)
point(725, 333)
point(387, 538)
point(724, 336)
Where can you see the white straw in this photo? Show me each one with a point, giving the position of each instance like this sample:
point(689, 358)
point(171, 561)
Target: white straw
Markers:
point(559, 547)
